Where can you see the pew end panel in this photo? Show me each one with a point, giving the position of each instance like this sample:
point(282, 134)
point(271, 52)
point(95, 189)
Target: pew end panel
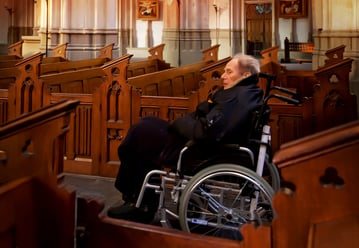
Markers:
point(4, 106)
point(15, 49)
point(211, 53)
point(269, 55)
point(114, 96)
point(32, 144)
point(320, 173)
point(106, 51)
point(156, 52)
point(36, 214)
point(60, 51)
point(289, 122)
point(334, 103)
point(334, 55)
point(27, 90)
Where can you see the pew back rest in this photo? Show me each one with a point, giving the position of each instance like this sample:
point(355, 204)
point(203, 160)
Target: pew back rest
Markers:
point(84, 81)
point(57, 67)
point(8, 76)
point(142, 67)
point(179, 81)
point(15, 49)
point(36, 214)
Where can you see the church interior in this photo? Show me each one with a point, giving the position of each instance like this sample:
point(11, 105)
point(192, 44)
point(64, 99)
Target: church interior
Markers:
point(76, 75)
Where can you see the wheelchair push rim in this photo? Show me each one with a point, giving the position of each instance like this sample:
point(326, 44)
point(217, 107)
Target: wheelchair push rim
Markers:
point(219, 199)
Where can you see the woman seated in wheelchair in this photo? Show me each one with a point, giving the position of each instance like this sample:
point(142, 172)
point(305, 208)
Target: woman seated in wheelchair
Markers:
point(153, 143)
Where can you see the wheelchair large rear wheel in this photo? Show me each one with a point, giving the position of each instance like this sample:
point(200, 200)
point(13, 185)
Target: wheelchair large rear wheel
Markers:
point(218, 200)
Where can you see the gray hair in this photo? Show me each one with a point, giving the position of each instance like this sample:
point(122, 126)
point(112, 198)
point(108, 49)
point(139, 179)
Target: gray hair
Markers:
point(247, 63)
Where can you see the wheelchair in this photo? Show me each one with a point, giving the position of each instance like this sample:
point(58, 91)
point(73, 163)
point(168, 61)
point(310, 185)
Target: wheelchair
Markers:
point(223, 196)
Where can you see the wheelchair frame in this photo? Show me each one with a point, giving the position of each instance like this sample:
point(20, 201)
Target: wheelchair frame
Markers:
point(209, 200)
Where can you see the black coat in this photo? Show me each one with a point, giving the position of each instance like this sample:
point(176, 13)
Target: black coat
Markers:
point(225, 118)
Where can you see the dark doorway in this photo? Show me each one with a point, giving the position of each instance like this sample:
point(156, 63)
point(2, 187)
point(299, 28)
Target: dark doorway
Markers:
point(258, 27)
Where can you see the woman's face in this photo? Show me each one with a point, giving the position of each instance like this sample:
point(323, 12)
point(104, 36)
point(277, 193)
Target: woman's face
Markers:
point(232, 75)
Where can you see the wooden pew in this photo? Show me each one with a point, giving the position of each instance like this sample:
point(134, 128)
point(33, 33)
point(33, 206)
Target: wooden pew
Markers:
point(301, 47)
point(156, 52)
point(179, 81)
point(32, 145)
point(8, 76)
point(7, 61)
point(16, 49)
point(155, 62)
point(142, 67)
point(84, 81)
point(211, 75)
point(101, 91)
point(100, 116)
point(106, 51)
point(321, 173)
point(34, 211)
point(36, 214)
point(316, 206)
point(171, 107)
point(325, 103)
point(57, 67)
point(334, 104)
point(101, 231)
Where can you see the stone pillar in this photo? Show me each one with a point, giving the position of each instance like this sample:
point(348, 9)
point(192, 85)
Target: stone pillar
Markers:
point(194, 30)
point(170, 36)
point(186, 32)
point(86, 25)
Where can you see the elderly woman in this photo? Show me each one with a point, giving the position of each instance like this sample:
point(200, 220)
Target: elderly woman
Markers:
point(153, 143)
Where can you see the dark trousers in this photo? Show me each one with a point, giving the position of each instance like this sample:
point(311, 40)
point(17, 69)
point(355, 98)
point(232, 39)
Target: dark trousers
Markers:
point(139, 153)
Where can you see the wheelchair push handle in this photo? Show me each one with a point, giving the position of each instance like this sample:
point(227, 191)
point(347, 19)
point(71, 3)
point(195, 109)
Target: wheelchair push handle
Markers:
point(285, 99)
point(285, 90)
point(270, 77)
